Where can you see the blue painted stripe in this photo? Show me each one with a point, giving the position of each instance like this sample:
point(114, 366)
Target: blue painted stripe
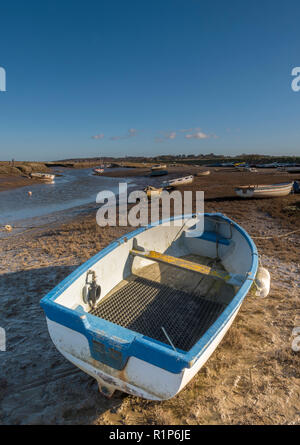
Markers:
point(130, 343)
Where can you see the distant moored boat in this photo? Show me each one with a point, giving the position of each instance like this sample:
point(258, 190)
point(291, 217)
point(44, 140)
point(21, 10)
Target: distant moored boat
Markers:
point(203, 173)
point(264, 191)
point(45, 177)
point(178, 181)
point(158, 167)
point(98, 171)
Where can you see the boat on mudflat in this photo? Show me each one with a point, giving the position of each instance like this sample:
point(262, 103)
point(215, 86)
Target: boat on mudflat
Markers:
point(264, 191)
point(158, 167)
point(144, 314)
point(203, 173)
point(178, 181)
point(153, 191)
point(45, 177)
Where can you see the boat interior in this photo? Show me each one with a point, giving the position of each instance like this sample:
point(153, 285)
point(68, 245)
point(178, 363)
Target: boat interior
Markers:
point(164, 283)
point(167, 304)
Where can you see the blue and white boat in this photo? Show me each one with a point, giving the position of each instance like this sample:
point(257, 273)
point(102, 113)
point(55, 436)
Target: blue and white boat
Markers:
point(144, 314)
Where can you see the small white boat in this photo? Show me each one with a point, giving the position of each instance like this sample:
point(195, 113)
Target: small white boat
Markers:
point(178, 181)
point(45, 177)
point(264, 191)
point(145, 313)
point(98, 171)
point(203, 173)
point(158, 167)
point(152, 191)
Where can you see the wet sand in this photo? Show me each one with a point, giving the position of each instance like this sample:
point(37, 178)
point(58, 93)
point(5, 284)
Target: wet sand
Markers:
point(253, 377)
point(11, 182)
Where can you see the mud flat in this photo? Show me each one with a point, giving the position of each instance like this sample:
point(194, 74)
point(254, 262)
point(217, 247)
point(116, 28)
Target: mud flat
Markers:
point(16, 174)
point(11, 182)
point(253, 376)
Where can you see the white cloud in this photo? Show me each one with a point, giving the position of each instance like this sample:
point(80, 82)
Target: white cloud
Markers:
point(98, 136)
point(170, 135)
point(198, 135)
point(131, 132)
point(185, 130)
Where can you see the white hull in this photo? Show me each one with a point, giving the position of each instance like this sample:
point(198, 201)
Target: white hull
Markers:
point(158, 167)
point(264, 192)
point(98, 171)
point(45, 177)
point(179, 181)
point(167, 384)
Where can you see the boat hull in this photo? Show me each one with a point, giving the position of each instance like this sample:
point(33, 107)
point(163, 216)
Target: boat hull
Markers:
point(44, 177)
point(167, 384)
point(267, 192)
point(178, 182)
point(158, 167)
point(98, 171)
point(127, 360)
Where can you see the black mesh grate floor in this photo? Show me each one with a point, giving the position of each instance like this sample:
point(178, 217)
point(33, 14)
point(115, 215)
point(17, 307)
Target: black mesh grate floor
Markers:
point(145, 306)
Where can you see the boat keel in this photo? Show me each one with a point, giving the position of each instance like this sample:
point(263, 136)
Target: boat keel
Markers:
point(106, 389)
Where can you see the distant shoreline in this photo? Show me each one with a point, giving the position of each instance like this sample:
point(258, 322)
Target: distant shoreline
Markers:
point(17, 174)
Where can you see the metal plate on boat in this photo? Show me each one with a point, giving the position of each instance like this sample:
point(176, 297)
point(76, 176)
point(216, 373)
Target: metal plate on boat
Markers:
point(145, 306)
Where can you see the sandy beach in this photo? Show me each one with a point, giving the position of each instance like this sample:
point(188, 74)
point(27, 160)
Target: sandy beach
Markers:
point(253, 376)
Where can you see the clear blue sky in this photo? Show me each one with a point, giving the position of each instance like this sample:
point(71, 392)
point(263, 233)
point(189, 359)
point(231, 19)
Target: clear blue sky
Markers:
point(126, 77)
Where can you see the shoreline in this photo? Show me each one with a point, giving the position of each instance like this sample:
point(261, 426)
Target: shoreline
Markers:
point(13, 182)
point(264, 176)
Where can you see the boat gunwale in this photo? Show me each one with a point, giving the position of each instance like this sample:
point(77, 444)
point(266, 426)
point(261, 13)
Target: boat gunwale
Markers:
point(85, 323)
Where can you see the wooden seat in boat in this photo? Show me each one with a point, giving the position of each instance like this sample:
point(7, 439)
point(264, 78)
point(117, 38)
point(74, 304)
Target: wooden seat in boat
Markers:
point(189, 265)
